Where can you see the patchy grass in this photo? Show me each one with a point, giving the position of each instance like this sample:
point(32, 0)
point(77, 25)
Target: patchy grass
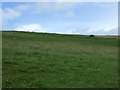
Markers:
point(41, 60)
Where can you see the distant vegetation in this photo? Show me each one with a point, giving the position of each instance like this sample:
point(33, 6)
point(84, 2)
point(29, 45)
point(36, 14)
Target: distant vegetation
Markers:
point(91, 35)
point(42, 60)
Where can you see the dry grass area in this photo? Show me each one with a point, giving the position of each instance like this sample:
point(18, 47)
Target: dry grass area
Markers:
point(109, 36)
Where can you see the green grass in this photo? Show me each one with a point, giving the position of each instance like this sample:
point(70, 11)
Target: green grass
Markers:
point(42, 60)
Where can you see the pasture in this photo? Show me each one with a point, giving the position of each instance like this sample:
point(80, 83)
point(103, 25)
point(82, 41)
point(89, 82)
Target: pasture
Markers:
point(44, 60)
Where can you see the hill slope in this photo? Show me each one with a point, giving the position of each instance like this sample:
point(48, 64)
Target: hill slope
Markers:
point(58, 61)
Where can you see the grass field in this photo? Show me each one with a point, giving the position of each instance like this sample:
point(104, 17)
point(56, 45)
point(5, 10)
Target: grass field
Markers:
point(58, 61)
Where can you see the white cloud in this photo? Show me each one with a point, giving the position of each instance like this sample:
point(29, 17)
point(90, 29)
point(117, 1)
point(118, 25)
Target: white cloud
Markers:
point(84, 31)
point(12, 13)
point(0, 17)
point(112, 31)
point(104, 5)
point(23, 7)
point(88, 31)
point(9, 14)
point(70, 14)
point(55, 5)
point(30, 28)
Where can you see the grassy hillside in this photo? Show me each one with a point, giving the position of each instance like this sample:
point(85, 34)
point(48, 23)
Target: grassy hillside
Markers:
point(58, 61)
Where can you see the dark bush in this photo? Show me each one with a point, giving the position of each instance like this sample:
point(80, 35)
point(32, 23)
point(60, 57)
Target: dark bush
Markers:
point(91, 35)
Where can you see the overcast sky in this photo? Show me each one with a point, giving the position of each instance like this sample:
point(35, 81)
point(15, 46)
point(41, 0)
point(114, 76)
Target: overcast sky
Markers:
point(58, 17)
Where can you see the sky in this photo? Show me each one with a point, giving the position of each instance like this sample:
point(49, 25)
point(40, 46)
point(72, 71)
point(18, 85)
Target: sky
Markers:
point(99, 18)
